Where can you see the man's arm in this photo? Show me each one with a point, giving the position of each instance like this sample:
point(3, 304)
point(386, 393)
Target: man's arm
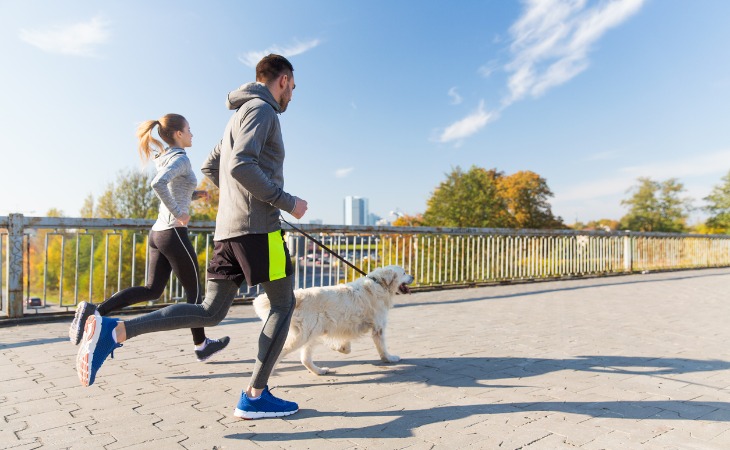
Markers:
point(250, 140)
point(211, 166)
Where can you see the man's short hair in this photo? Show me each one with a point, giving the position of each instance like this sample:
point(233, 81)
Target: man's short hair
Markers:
point(271, 67)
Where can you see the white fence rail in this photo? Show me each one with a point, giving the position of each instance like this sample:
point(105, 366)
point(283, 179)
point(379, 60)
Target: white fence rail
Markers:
point(62, 261)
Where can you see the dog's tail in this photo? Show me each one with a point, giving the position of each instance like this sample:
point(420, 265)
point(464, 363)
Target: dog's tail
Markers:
point(262, 306)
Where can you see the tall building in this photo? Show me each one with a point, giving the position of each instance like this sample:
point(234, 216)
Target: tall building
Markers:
point(356, 211)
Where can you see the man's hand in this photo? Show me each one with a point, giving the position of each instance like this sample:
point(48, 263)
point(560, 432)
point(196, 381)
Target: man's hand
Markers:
point(198, 195)
point(300, 208)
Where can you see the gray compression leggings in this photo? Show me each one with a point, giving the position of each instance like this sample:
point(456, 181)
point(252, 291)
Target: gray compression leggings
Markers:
point(218, 298)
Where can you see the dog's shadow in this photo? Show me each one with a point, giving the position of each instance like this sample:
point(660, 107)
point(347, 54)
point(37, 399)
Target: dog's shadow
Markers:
point(475, 372)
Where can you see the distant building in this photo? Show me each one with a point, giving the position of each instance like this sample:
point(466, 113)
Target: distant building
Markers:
point(356, 211)
point(373, 219)
point(316, 222)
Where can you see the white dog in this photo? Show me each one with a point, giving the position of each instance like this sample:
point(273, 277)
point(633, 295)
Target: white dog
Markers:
point(335, 315)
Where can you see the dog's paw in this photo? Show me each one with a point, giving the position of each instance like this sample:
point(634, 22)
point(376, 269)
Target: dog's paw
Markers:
point(321, 370)
point(346, 349)
point(391, 358)
point(342, 347)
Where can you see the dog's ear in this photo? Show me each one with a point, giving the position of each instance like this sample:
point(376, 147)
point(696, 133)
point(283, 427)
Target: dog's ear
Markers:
point(390, 279)
point(384, 277)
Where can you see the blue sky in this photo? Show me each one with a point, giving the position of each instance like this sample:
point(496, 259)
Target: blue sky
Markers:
point(390, 97)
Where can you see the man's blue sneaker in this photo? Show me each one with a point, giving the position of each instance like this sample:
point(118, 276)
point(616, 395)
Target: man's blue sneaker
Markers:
point(265, 406)
point(76, 330)
point(96, 344)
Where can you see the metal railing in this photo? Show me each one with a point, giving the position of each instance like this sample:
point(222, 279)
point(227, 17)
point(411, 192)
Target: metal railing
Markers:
point(63, 261)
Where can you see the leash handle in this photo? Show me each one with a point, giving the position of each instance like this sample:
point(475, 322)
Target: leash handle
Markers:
point(316, 241)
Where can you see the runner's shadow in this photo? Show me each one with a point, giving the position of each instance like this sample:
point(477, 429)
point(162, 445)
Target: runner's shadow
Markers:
point(400, 424)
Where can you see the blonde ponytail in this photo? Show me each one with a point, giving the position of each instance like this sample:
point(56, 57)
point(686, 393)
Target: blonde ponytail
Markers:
point(166, 128)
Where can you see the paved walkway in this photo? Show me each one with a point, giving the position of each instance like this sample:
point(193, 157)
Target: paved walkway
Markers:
point(638, 361)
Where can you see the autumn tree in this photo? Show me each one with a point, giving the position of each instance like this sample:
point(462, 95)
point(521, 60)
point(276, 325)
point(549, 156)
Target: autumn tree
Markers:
point(718, 206)
point(656, 206)
point(527, 197)
point(205, 209)
point(468, 199)
point(405, 220)
point(600, 224)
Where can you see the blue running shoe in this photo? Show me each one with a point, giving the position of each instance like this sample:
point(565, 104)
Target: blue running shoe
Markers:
point(96, 345)
point(76, 330)
point(265, 406)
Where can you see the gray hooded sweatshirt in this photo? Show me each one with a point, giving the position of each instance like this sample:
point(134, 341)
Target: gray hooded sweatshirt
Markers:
point(174, 184)
point(248, 166)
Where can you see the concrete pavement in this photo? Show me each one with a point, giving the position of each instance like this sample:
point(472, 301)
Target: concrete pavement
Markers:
point(638, 361)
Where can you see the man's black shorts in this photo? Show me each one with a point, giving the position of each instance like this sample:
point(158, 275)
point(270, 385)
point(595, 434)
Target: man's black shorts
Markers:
point(255, 258)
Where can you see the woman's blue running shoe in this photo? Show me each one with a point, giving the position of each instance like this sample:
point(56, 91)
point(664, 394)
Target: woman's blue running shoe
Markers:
point(76, 330)
point(96, 344)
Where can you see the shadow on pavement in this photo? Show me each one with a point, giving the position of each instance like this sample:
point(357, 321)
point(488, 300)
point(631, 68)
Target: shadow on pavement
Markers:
point(459, 372)
point(469, 371)
point(406, 420)
point(401, 303)
point(34, 342)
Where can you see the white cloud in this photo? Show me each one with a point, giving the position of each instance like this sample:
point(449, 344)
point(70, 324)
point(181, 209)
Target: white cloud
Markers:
point(468, 125)
point(342, 173)
point(552, 39)
point(487, 69)
point(253, 57)
point(455, 97)
point(80, 39)
point(709, 164)
point(550, 45)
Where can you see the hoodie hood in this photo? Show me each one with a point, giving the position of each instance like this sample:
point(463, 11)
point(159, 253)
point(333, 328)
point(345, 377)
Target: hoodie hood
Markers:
point(163, 159)
point(249, 91)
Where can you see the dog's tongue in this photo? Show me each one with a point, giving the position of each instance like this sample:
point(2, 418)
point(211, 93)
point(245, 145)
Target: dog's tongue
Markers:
point(403, 288)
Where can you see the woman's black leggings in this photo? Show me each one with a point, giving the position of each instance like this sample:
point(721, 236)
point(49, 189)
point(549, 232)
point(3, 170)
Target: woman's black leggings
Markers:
point(170, 250)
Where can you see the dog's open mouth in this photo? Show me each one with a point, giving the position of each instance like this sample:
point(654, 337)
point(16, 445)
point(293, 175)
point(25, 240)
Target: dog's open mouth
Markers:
point(403, 289)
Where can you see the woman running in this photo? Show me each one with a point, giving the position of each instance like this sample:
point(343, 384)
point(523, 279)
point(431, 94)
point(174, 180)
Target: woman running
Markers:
point(170, 248)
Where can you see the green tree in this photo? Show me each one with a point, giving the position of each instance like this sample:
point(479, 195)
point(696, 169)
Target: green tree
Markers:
point(131, 197)
point(134, 196)
point(106, 207)
point(87, 209)
point(656, 206)
point(600, 224)
point(718, 206)
point(468, 199)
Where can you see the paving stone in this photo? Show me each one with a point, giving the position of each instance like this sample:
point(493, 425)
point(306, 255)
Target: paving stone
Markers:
point(589, 363)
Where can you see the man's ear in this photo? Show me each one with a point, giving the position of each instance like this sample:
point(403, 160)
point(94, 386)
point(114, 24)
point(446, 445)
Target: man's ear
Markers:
point(283, 81)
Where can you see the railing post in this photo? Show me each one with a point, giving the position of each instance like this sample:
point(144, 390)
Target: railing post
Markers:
point(628, 254)
point(13, 298)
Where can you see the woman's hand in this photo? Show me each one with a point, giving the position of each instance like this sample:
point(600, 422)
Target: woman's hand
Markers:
point(183, 220)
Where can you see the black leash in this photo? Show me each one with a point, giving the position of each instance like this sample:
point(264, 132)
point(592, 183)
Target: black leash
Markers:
point(326, 248)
